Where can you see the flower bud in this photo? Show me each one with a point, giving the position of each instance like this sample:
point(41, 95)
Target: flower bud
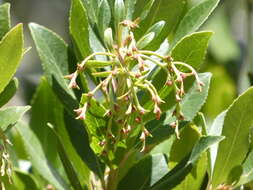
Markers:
point(138, 119)
point(108, 38)
point(157, 111)
point(102, 143)
point(173, 125)
point(169, 83)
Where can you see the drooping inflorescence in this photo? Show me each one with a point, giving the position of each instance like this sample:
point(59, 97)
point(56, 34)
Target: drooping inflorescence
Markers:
point(124, 75)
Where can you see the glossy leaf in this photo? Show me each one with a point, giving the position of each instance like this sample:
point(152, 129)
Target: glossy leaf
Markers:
point(104, 16)
point(95, 122)
point(145, 40)
point(69, 169)
point(119, 11)
point(175, 176)
point(180, 149)
point(79, 27)
point(24, 181)
point(11, 52)
point(72, 134)
point(80, 141)
point(53, 53)
point(145, 173)
point(233, 150)
point(247, 170)
point(42, 113)
point(8, 92)
point(157, 28)
point(192, 49)
point(11, 115)
point(142, 8)
point(38, 157)
point(195, 178)
point(129, 5)
point(5, 24)
point(193, 19)
point(188, 138)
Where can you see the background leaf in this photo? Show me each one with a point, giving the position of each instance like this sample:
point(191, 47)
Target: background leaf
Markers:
point(5, 24)
point(42, 113)
point(69, 169)
point(38, 157)
point(11, 115)
point(11, 52)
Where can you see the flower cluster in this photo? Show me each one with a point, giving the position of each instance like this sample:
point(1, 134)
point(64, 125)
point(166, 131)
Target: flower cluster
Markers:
point(124, 74)
point(5, 164)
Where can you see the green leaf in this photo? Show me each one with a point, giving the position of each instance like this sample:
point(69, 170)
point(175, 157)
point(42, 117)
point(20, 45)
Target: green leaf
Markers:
point(142, 8)
point(188, 138)
point(233, 150)
point(192, 49)
point(195, 178)
point(170, 11)
point(11, 52)
point(145, 40)
point(95, 122)
point(8, 92)
point(119, 11)
point(193, 99)
point(5, 23)
point(24, 181)
point(193, 19)
point(69, 169)
point(79, 27)
point(104, 16)
point(145, 173)
point(215, 129)
point(53, 53)
point(80, 141)
point(157, 28)
point(129, 5)
point(72, 134)
point(42, 113)
point(247, 168)
point(38, 157)
point(11, 115)
point(175, 176)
